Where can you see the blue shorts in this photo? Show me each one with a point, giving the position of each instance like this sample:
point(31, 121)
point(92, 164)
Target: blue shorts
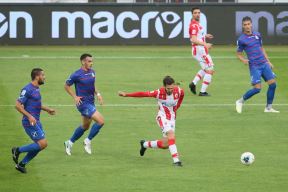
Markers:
point(87, 109)
point(263, 71)
point(35, 132)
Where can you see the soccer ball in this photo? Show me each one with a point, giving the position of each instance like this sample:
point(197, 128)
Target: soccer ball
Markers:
point(247, 158)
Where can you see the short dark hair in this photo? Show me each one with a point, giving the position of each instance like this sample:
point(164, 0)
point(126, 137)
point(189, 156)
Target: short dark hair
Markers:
point(168, 81)
point(194, 8)
point(83, 56)
point(35, 72)
point(246, 19)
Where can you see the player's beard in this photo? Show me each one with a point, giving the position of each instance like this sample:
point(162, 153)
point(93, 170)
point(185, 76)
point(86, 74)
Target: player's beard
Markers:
point(40, 82)
point(169, 93)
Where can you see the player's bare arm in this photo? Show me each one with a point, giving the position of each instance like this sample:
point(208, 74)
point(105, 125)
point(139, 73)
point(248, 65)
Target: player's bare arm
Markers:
point(99, 97)
point(266, 56)
point(69, 90)
point(194, 40)
point(209, 36)
point(49, 110)
point(242, 58)
point(21, 109)
point(137, 94)
point(121, 93)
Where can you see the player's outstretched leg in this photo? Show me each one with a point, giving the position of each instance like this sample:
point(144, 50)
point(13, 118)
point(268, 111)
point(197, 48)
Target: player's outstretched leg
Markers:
point(15, 154)
point(270, 98)
point(157, 144)
point(197, 78)
point(239, 103)
point(32, 150)
point(142, 148)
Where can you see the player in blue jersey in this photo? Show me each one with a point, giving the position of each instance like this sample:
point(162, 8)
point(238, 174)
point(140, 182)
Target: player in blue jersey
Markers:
point(29, 104)
point(259, 65)
point(84, 96)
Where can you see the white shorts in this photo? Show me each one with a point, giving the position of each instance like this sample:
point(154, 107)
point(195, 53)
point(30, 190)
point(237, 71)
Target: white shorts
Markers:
point(204, 59)
point(165, 124)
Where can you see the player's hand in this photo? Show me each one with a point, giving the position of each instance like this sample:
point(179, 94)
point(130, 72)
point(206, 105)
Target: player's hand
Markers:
point(246, 61)
point(51, 111)
point(78, 100)
point(208, 45)
point(209, 36)
point(100, 100)
point(122, 94)
point(32, 120)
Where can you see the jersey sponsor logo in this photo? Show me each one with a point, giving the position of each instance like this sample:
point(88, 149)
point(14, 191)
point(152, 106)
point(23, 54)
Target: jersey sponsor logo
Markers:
point(166, 24)
point(114, 24)
point(169, 103)
point(11, 27)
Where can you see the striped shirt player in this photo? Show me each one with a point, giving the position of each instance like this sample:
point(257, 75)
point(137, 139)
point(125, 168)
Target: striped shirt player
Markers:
point(259, 65)
point(84, 96)
point(200, 53)
point(169, 99)
point(30, 105)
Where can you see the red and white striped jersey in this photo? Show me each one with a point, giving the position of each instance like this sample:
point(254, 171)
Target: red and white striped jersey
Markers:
point(168, 104)
point(196, 29)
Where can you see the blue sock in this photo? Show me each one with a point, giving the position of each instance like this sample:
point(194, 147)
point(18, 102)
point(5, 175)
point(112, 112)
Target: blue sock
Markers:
point(29, 156)
point(270, 93)
point(250, 93)
point(29, 148)
point(77, 134)
point(94, 131)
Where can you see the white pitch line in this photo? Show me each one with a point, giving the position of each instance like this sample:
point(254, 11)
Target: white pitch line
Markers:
point(121, 57)
point(151, 105)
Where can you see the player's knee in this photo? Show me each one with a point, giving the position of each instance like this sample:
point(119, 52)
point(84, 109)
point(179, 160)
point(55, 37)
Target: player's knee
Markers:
point(101, 122)
point(43, 144)
point(165, 144)
point(170, 135)
point(211, 72)
point(86, 126)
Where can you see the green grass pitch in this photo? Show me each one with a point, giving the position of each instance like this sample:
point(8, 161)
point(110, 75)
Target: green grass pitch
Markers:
point(210, 134)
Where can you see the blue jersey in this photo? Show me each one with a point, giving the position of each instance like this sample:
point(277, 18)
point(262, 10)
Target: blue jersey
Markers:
point(30, 98)
point(84, 82)
point(252, 45)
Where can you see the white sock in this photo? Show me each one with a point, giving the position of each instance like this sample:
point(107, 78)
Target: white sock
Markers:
point(206, 81)
point(151, 144)
point(174, 153)
point(173, 150)
point(198, 76)
point(269, 106)
point(241, 100)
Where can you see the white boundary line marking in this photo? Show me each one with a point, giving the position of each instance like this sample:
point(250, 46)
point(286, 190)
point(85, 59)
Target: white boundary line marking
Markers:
point(121, 57)
point(151, 105)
